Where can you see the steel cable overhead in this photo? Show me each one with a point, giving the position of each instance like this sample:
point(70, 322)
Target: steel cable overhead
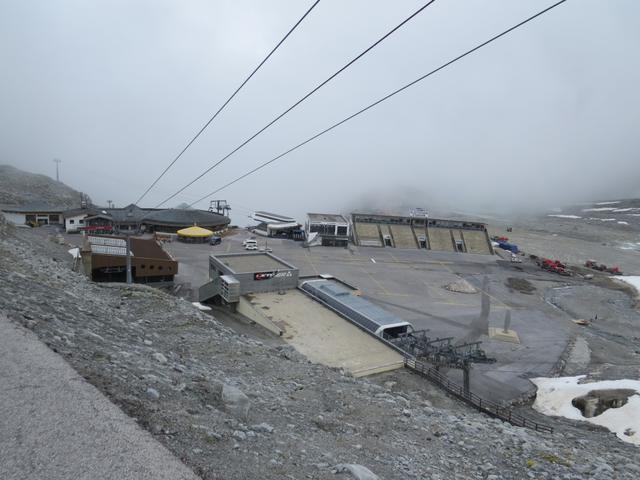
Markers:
point(227, 101)
point(314, 90)
point(379, 101)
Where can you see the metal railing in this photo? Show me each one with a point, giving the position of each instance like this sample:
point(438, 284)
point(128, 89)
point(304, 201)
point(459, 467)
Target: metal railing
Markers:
point(486, 406)
point(429, 372)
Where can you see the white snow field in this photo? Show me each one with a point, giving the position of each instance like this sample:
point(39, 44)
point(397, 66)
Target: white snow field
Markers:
point(634, 281)
point(555, 395)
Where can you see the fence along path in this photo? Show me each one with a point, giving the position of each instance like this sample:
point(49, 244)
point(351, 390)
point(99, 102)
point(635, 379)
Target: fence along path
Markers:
point(486, 406)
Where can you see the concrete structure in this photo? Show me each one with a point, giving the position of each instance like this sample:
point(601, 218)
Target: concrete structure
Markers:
point(105, 259)
point(421, 232)
point(409, 284)
point(320, 334)
point(33, 214)
point(332, 229)
point(56, 426)
point(343, 299)
point(275, 225)
point(253, 271)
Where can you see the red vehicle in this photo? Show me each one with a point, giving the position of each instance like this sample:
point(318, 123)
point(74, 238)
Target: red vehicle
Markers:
point(601, 267)
point(554, 266)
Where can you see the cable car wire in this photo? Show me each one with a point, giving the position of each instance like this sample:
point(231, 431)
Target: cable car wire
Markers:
point(386, 97)
point(227, 102)
point(311, 92)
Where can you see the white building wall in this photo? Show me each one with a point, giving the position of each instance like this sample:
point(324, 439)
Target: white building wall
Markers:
point(72, 224)
point(15, 218)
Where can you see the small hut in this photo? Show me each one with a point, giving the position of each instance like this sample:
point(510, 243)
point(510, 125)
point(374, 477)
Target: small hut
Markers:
point(194, 234)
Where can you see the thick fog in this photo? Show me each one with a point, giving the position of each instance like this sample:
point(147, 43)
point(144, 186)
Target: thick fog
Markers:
point(116, 88)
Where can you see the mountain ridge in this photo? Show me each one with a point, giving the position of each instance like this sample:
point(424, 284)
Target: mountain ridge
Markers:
point(18, 187)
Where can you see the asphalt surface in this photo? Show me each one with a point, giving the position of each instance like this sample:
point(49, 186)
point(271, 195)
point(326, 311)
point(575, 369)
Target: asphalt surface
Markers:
point(410, 283)
point(56, 426)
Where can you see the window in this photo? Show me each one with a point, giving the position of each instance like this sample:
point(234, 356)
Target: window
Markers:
point(81, 221)
point(143, 266)
point(72, 221)
point(342, 231)
point(160, 267)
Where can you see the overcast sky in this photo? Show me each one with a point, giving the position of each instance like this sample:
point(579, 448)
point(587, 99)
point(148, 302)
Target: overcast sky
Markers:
point(116, 88)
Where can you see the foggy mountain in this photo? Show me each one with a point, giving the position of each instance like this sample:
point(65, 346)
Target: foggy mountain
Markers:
point(541, 118)
point(18, 187)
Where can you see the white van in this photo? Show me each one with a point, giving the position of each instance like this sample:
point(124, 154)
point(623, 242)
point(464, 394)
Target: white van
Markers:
point(250, 244)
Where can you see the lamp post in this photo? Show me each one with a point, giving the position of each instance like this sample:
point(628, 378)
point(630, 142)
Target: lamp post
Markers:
point(57, 161)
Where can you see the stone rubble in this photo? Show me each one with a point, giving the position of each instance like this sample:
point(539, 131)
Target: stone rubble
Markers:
point(232, 407)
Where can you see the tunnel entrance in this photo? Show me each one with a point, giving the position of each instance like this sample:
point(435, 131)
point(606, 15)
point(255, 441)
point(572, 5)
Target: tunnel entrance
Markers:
point(597, 402)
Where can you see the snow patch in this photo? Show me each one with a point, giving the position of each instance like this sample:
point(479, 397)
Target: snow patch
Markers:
point(630, 246)
point(563, 216)
point(623, 223)
point(634, 281)
point(607, 203)
point(555, 395)
point(602, 209)
point(200, 306)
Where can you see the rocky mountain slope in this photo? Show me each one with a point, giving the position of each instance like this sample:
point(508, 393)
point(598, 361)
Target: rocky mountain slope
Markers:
point(234, 407)
point(18, 187)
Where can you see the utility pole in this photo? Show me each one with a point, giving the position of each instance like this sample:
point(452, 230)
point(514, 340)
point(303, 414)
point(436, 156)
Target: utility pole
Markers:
point(57, 162)
point(128, 234)
point(129, 279)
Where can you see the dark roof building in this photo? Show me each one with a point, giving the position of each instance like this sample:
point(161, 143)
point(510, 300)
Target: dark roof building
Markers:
point(134, 218)
point(176, 219)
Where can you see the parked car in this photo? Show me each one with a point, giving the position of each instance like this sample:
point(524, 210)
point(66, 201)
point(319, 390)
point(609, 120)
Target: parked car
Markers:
point(215, 241)
point(250, 244)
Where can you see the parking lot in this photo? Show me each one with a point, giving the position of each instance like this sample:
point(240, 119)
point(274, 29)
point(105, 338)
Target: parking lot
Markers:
point(410, 284)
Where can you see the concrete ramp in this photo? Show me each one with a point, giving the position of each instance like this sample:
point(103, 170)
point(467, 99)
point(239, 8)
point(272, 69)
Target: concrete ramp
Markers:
point(440, 239)
point(476, 241)
point(368, 234)
point(254, 311)
point(325, 337)
point(403, 236)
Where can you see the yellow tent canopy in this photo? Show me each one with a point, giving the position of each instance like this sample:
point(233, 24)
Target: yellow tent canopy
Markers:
point(195, 232)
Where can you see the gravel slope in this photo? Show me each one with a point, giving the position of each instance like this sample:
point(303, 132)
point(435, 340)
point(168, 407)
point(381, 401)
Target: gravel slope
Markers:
point(232, 407)
point(18, 187)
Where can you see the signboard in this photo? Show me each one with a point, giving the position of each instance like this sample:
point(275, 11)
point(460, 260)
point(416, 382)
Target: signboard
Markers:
point(268, 275)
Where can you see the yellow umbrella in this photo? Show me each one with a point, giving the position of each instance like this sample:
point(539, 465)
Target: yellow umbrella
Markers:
point(195, 232)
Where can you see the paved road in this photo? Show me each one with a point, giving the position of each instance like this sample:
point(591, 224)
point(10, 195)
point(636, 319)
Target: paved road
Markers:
point(409, 283)
point(56, 426)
